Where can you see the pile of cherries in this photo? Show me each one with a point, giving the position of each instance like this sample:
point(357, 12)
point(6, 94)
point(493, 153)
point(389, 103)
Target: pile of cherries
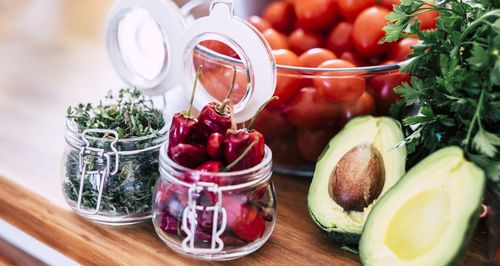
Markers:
point(314, 105)
point(210, 144)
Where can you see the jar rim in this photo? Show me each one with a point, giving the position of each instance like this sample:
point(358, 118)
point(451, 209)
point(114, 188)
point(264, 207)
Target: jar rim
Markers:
point(364, 69)
point(72, 127)
point(252, 174)
point(73, 136)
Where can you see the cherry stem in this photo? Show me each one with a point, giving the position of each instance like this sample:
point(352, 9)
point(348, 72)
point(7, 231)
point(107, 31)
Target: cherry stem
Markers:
point(242, 155)
point(231, 114)
point(228, 95)
point(252, 122)
point(198, 72)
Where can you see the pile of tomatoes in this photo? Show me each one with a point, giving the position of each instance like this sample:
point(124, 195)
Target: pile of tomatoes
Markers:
point(327, 34)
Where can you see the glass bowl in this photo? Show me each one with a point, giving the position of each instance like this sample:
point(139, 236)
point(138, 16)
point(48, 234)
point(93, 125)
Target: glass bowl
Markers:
point(298, 126)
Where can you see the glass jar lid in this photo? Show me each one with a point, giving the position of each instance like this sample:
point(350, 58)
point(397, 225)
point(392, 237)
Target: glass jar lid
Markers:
point(227, 48)
point(151, 48)
point(140, 41)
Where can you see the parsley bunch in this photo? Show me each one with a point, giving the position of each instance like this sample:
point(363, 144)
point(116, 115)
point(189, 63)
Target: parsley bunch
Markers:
point(456, 78)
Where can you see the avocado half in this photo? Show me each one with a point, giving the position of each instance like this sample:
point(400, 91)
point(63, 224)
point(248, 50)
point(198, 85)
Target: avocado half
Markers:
point(427, 218)
point(381, 133)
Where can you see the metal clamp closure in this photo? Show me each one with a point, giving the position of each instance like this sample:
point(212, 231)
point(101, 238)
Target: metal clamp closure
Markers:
point(189, 221)
point(89, 161)
point(229, 5)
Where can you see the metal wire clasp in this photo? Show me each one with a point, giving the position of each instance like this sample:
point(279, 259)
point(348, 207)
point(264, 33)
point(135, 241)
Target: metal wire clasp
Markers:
point(88, 167)
point(190, 215)
point(228, 3)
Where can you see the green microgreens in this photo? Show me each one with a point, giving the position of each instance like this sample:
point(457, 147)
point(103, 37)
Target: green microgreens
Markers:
point(130, 114)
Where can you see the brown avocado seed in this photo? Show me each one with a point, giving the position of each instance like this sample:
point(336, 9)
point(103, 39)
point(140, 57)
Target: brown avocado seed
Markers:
point(358, 178)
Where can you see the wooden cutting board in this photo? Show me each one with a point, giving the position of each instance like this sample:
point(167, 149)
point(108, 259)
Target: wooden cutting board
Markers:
point(295, 241)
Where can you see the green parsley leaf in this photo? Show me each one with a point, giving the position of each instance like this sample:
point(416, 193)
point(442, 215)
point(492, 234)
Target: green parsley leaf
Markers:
point(485, 142)
point(455, 79)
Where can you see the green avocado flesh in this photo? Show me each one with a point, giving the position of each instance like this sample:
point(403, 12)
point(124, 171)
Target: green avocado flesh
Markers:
point(382, 133)
point(427, 217)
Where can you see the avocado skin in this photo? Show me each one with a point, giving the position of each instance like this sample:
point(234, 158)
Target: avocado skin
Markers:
point(345, 238)
point(341, 237)
point(467, 236)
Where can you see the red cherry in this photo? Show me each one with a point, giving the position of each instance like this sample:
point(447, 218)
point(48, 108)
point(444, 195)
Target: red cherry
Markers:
point(214, 145)
point(188, 155)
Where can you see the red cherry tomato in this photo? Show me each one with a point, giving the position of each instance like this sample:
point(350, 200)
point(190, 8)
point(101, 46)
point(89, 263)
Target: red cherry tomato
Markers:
point(315, 57)
point(281, 15)
point(340, 38)
point(272, 124)
point(428, 19)
point(368, 30)
point(218, 81)
point(389, 3)
point(315, 14)
point(220, 48)
point(402, 49)
point(200, 58)
point(382, 89)
point(259, 23)
point(350, 9)
point(284, 150)
point(243, 219)
point(286, 85)
point(301, 41)
point(339, 87)
point(365, 105)
point(275, 39)
point(497, 255)
point(353, 58)
point(311, 143)
point(308, 110)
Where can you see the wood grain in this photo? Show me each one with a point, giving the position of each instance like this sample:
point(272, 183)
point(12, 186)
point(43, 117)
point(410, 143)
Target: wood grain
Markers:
point(12, 255)
point(295, 241)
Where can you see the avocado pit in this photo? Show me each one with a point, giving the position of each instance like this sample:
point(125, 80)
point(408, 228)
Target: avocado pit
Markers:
point(358, 178)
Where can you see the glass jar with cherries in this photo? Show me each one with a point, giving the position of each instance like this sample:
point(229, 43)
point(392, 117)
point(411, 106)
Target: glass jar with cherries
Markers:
point(214, 215)
point(214, 199)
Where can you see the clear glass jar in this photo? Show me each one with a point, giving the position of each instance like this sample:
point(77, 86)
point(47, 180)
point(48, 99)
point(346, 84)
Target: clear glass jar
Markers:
point(214, 216)
point(109, 180)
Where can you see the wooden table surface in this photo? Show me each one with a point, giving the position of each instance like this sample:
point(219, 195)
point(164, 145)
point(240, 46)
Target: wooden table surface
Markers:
point(52, 54)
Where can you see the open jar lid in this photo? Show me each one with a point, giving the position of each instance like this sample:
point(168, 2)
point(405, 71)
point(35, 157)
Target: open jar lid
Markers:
point(140, 41)
point(152, 48)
